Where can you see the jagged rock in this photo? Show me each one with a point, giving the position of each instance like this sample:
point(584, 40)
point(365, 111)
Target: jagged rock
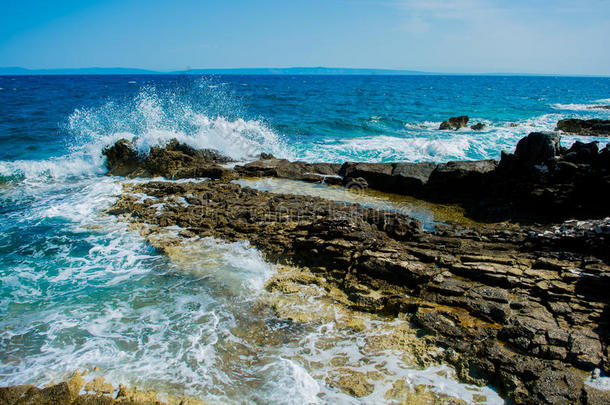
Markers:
point(283, 168)
point(479, 126)
point(582, 152)
point(122, 158)
point(455, 123)
point(537, 147)
point(521, 308)
point(30, 395)
point(540, 181)
point(594, 127)
point(10, 395)
point(174, 160)
point(62, 394)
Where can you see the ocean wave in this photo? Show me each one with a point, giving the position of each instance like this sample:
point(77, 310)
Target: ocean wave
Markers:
point(388, 148)
point(423, 141)
point(149, 119)
point(600, 105)
point(71, 166)
point(153, 118)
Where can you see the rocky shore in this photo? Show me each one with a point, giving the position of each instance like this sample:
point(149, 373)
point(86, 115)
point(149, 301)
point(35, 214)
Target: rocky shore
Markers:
point(521, 305)
point(76, 391)
point(524, 308)
point(540, 181)
point(594, 127)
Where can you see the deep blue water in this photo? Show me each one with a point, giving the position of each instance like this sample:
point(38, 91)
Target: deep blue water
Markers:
point(79, 289)
point(315, 117)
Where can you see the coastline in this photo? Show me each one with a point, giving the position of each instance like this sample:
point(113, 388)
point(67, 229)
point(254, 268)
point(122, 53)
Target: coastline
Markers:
point(405, 290)
point(520, 307)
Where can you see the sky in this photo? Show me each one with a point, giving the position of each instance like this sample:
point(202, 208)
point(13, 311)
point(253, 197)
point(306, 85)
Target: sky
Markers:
point(453, 36)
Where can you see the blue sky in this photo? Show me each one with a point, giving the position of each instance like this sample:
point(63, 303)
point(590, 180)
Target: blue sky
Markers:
point(535, 36)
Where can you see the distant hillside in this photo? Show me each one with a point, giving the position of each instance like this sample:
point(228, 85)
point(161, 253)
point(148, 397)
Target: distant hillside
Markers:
point(302, 71)
point(9, 71)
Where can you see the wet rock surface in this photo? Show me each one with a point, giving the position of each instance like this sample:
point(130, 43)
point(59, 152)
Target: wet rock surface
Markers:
point(455, 123)
point(541, 181)
point(523, 308)
point(174, 160)
point(594, 127)
point(268, 166)
point(75, 392)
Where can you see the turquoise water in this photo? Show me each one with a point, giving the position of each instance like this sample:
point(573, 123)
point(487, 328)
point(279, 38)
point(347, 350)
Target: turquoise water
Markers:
point(78, 289)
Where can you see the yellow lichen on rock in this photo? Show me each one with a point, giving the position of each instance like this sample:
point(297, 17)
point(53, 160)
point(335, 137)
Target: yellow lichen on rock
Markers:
point(99, 386)
point(351, 382)
point(404, 394)
point(76, 382)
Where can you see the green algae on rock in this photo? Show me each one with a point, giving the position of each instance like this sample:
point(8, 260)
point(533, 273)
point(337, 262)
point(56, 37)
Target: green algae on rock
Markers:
point(512, 306)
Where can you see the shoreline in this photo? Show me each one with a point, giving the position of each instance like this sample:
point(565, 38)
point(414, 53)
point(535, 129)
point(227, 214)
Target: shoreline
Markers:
point(518, 304)
point(520, 307)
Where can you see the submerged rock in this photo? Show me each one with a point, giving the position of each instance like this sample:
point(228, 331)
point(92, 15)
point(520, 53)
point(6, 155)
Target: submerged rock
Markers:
point(455, 123)
point(479, 126)
point(594, 127)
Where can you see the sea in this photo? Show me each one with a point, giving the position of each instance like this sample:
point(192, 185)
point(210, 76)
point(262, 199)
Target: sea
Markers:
point(80, 289)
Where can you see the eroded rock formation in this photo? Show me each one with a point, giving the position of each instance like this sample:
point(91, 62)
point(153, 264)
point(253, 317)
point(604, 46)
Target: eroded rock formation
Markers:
point(594, 127)
point(525, 309)
point(174, 160)
point(75, 391)
point(455, 123)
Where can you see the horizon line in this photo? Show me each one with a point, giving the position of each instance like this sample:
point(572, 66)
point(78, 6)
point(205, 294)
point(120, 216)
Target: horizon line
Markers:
point(294, 70)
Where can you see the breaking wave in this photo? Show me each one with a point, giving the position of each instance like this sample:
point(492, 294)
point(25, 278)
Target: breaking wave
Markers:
point(152, 118)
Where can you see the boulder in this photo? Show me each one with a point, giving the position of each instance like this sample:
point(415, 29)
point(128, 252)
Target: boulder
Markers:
point(377, 175)
point(455, 123)
point(582, 152)
point(412, 176)
point(537, 147)
point(461, 179)
point(479, 126)
point(355, 184)
point(122, 158)
point(400, 178)
point(594, 127)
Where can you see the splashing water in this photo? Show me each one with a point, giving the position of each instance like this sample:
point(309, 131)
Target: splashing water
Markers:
point(153, 118)
point(79, 289)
